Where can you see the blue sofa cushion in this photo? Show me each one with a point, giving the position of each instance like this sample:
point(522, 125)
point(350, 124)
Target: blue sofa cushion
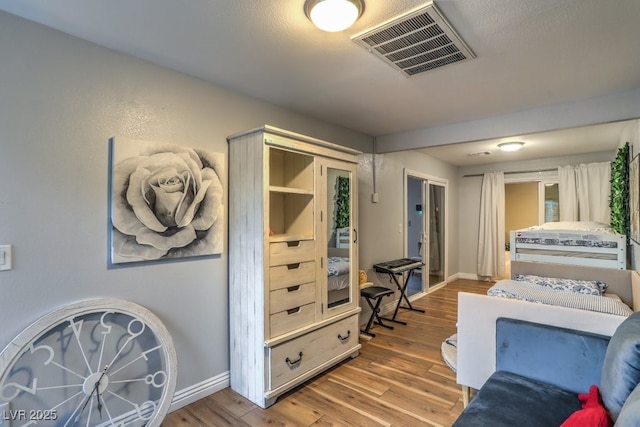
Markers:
point(566, 358)
point(621, 370)
point(510, 400)
point(630, 413)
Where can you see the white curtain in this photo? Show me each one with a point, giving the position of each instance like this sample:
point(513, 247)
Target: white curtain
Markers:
point(567, 194)
point(584, 192)
point(491, 237)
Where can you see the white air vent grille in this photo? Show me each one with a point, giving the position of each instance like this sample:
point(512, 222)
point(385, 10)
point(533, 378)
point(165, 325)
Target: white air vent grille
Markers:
point(480, 154)
point(419, 41)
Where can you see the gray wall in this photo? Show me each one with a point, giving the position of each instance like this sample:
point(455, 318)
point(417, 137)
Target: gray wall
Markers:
point(379, 222)
point(60, 100)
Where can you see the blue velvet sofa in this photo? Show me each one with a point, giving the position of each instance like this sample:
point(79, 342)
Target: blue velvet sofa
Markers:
point(540, 370)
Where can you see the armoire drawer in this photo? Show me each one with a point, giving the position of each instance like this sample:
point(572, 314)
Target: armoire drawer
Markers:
point(281, 253)
point(294, 318)
point(291, 297)
point(287, 275)
point(293, 358)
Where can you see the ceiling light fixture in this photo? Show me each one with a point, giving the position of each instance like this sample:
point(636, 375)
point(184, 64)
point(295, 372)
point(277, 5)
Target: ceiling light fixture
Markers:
point(511, 146)
point(333, 15)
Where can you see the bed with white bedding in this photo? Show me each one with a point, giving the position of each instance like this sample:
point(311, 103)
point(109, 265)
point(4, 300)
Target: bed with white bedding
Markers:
point(585, 243)
point(337, 273)
point(562, 293)
point(338, 276)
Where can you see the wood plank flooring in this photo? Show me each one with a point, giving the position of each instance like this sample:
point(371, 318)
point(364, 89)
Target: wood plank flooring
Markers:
point(399, 379)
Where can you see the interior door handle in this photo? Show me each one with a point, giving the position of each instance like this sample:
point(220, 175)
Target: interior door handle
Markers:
point(355, 235)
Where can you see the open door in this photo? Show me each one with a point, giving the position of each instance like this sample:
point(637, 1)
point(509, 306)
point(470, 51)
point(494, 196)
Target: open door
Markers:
point(425, 230)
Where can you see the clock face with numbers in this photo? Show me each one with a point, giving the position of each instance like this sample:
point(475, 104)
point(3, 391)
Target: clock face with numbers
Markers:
point(102, 362)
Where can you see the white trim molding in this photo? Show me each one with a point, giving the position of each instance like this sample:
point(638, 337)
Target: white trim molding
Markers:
point(197, 391)
point(472, 276)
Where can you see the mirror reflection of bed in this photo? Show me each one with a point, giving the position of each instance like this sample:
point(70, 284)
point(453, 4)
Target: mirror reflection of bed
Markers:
point(338, 276)
point(339, 237)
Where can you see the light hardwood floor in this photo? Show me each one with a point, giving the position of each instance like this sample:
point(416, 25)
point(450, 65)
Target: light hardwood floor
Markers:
point(399, 379)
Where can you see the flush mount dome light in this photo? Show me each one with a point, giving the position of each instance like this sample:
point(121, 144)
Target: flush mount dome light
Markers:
point(333, 15)
point(510, 146)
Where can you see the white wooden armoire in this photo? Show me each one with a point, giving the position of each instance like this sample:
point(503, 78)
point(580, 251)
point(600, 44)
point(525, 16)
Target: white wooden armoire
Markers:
point(293, 282)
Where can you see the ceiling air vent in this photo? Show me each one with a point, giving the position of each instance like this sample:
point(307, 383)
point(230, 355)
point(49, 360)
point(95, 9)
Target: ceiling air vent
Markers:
point(419, 41)
point(480, 154)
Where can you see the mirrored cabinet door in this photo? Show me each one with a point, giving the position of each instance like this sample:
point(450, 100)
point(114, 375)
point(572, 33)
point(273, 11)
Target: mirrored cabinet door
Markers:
point(338, 246)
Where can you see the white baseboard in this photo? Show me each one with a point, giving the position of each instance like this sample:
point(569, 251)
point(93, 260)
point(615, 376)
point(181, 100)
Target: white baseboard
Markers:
point(197, 391)
point(472, 276)
point(180, 399)
point(453, 278)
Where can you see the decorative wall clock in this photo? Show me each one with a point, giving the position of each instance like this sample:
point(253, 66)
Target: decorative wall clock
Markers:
point(101, 362)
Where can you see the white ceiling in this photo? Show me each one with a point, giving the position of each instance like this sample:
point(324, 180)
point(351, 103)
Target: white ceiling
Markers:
point(542, 145)
point(529, 54)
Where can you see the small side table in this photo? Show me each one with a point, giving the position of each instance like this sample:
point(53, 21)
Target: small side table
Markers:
point(373, 295)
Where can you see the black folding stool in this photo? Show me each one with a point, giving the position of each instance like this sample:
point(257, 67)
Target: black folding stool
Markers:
point(375, 294)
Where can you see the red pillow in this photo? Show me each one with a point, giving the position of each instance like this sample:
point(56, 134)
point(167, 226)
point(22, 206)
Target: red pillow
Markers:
point(592, 414)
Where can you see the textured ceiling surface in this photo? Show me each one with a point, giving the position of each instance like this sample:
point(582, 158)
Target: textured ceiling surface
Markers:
point(529, 54)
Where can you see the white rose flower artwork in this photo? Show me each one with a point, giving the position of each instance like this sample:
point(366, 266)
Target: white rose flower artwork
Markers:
point(167, 201)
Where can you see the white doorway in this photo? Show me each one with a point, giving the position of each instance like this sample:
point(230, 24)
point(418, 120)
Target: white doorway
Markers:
point(426, 229)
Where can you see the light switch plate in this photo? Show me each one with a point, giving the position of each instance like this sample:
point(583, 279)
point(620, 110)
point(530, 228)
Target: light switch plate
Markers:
point(6, 257)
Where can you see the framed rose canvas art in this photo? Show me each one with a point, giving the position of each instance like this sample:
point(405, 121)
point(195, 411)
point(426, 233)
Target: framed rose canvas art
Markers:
point(166, 201)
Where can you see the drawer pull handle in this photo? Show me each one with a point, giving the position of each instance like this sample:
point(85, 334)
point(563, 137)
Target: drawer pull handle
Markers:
point(293, 288)
point(293, 311)
point(294, 244)
point(293, 266)
point(294, 363)
point(344, 339)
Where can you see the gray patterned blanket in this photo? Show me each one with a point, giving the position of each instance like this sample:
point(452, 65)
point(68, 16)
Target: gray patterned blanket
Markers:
point(531, 292)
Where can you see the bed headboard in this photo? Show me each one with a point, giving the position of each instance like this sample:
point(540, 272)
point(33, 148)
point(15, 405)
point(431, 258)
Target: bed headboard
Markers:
point(342, 252)
point(619, 281)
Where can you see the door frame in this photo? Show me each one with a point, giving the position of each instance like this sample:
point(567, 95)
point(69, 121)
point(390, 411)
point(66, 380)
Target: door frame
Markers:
point(426, 178)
